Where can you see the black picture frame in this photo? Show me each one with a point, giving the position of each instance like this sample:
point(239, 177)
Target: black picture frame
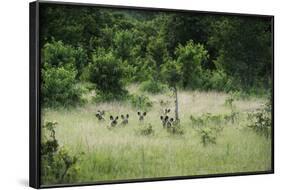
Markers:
point(35, 95)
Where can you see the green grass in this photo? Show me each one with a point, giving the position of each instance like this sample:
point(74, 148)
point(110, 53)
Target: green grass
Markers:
point(122, 153)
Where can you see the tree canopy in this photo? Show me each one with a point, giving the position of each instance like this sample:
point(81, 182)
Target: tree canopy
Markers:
point(195, 50)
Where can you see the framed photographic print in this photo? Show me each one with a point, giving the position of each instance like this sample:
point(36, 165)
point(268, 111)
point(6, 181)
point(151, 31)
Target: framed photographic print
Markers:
point(129, 94)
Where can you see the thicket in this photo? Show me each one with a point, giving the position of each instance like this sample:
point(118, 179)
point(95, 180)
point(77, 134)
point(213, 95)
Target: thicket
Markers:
point(112, 49)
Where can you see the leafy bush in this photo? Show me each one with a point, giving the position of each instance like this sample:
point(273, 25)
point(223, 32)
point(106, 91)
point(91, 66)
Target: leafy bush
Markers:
point(142, 69)
point(61, 67)
point(153, 87)
point(59, 86)
point(107, 75)
point(171, 73)
point(57, 54)
point(208, 133)
point(218, 80)
point(58, 166)
point(261, 121)
point(140, 101)
point(124, 43)
point(208, 136)
point(191, 57)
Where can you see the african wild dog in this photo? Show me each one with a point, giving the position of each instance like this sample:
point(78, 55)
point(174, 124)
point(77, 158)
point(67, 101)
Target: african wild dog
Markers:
point(141, 116)
point(100, 115)
point(125, 119)
point(113, 121)
point(164, 120)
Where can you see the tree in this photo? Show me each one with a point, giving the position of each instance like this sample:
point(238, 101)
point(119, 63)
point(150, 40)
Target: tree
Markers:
point(58, 54)
point(59, 74)
point(191, 57)
point(171, 72)
point(124, 42)
point(157, 51)
point(244, 46)
point(107, 74)
point(59, 86)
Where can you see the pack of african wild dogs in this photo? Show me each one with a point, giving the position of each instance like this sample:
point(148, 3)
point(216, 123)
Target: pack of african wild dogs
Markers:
point(166, 120)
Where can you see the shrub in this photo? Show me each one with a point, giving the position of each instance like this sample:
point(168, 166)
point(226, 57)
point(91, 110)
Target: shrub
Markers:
point(62, 65)
point(58, 166)
point(106, 73)
point(261, 121)
point(191, 57)
point(141, 102)
point(153, 87)
point(59, 86)
point(220, 81)
point(208, 136)
point(57, 54)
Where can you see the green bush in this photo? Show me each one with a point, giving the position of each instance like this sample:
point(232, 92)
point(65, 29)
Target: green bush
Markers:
point(141, 102)
point(61, 67)
point(208, 136)
point(153, 87)
point(220, 81)
point(58, 54)
point(191, 58)
point(57, 165)
point(107, 74)
point(59, 86)
point(261, 121)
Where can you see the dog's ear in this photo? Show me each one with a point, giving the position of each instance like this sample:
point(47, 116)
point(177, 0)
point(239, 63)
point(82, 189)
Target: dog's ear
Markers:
point(116, 118)
point(111, 117)
point(122, 116)
point(127, 115)
point(139, 113)
point(144, 113)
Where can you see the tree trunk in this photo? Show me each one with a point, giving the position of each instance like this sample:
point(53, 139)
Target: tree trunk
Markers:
point(176, 104)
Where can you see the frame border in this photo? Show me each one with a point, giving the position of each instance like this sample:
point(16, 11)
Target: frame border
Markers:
point(35, 94)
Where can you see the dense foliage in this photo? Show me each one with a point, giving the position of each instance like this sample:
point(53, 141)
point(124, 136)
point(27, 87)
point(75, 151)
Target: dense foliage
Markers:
point(183, 50)
point(107, 73)
point(61, 67)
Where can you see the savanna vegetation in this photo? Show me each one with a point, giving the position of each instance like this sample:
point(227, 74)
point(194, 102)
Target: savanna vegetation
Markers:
point(130, 94)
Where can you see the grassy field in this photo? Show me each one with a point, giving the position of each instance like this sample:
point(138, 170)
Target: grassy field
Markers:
point(122, 153)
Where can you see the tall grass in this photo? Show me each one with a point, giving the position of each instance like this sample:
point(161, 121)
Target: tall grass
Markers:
point(122, 153)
